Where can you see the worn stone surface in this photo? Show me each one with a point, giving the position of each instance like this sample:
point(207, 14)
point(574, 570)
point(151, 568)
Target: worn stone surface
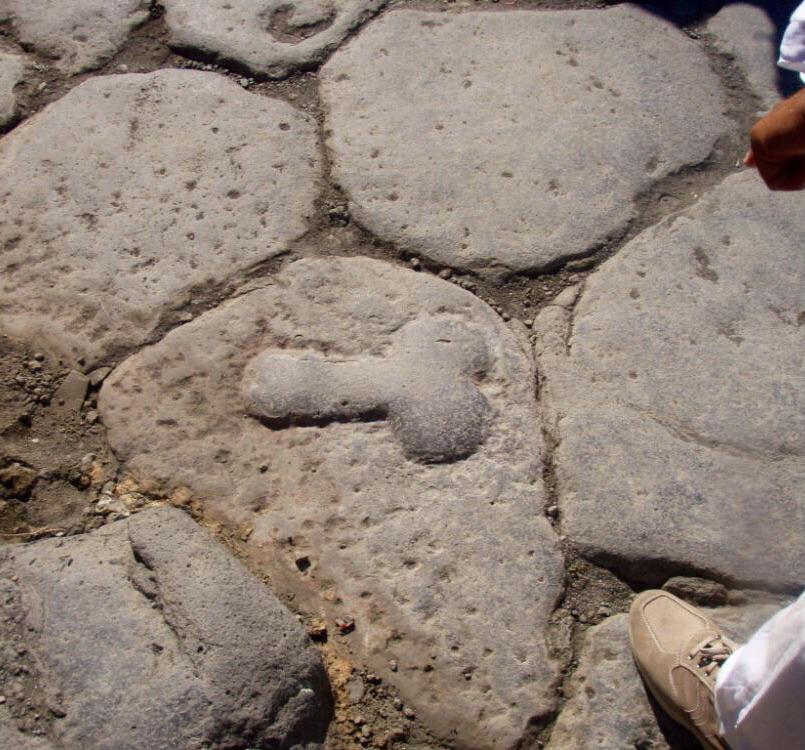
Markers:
point(438, 155)
point(269, 37)
point(748, 33)
point(72, 391)
point(676, 392)
point(699, 591)
point(147, 634)
point(12, 68)
point(449, 569)
point(79, 34)
point(607, 706)
point(177, 181)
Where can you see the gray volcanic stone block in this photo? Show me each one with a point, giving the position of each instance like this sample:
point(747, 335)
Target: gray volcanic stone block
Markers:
point(746, 32)
point(155, 186)
point(269, 37)
point(608, 706)
point(12, 68)
point(676, 392)
point(450, 569)
point(147, 634)
point(511, 141)
point(79, 34)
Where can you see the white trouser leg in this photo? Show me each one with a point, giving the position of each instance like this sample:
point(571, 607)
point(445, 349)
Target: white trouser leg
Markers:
point(760, 691)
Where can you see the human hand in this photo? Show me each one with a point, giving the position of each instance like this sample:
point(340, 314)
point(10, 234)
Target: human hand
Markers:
point(778, 145)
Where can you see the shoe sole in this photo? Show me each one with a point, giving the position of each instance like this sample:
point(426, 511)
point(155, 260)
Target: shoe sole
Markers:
point(680, 719)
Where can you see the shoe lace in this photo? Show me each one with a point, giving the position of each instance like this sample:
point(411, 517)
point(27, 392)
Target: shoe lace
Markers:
point(711, 653)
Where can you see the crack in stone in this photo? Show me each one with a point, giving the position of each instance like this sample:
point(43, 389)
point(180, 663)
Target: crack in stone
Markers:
point(282, 26)
point(689, 435)
point(147, 584)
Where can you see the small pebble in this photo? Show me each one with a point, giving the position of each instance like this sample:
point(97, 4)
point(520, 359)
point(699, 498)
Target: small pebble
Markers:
point(409, 713)
point(393, 666)
point(415, 264)
point(345, 624)
point(445, 273)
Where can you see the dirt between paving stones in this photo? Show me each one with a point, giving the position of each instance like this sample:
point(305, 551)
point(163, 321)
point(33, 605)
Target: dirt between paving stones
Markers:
point(58, 475)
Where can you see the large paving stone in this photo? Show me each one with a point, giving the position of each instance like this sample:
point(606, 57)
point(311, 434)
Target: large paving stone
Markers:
point(676, 392)
point(269, 37)
point(373, 433)
point(147, 634)
point(79, 34)
point(509, 141)
point(608, 706)
point(131, 193)
point(12, 68)
point(749, 34)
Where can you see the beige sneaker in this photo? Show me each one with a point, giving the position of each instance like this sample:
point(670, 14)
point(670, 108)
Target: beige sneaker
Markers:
point(679, 652)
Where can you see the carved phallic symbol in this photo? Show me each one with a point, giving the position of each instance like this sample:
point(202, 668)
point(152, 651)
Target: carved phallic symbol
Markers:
point(425, 386)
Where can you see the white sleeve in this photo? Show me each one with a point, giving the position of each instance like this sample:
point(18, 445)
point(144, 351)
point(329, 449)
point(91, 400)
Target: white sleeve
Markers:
point(792, 48)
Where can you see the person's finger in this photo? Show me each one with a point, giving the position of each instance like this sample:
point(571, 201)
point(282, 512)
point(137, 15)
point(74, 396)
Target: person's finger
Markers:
point(792, 176)
point(788, 174)
point(770, 171)
point(749, 159)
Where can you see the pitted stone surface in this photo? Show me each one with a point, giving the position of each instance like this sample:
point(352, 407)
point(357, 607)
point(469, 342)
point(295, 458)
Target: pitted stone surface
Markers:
point(438, 413)
point(607, 706)
point(746, 32)
point(676, 392)
point(79, 34)
point(155, 185)
point(12, 68)
point(451, 568)
point(147, 634)
point(510, 141)
point(270, 37)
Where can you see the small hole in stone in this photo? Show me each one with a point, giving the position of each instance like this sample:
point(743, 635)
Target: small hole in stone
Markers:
point(303, 563)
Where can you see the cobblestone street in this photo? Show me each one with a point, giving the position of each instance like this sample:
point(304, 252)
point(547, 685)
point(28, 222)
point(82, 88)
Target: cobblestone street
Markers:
point(360, 360)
